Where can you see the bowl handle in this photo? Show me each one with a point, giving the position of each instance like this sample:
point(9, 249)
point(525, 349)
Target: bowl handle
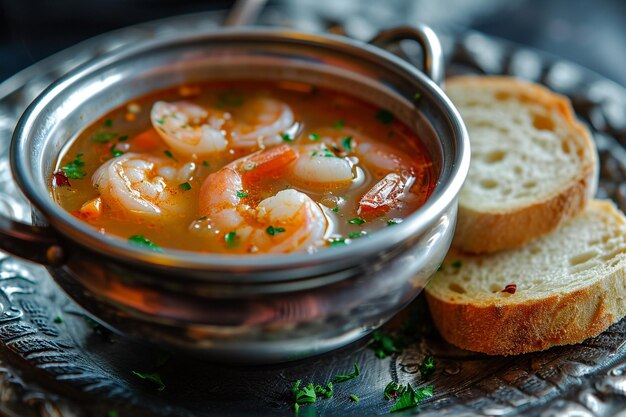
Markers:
point(428, 40)
point(33, 243)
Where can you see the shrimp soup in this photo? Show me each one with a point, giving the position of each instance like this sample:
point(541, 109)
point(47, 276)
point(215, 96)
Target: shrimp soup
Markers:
point(244, 167)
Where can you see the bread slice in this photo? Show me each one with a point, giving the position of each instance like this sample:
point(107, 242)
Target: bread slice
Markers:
point(533, 164)
point(570, 285)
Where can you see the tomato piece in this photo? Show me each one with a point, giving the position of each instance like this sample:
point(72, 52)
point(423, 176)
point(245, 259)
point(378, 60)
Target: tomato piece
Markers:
point(383, 196)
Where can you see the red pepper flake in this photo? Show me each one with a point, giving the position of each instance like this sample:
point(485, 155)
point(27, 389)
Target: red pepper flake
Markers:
point(59, 179)
point(510, 288)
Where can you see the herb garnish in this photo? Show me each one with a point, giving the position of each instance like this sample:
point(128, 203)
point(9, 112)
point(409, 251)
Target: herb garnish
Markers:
point(108, 123)
point(231, 239)
point(230, 98)
point(412, 397)
point(385, 117)
point(354, 398)
point(116, 152)
point(335, 209)
point(417, 97)
point(201, 219)
point(339, 124)
point(185, 186)
point(427, 367)
point(141, 241)
point(355, 235)
point(249, 167)
point(271, 230)
point(113, 413)
point(153, 377)
point(286, 137)
point(122, 138)
point(341, 378)
point(205, 164)
point(337, 242)
point(59, 320)
point(314, 136)
point(310, 393)
point(392, 390)
point(103, 137)
point(74, 169)
point(356, 220)
point(456, 264)
point(383, 345)
point(242, 194)
point(347, 143)
point(393, 222)
point(169, 154)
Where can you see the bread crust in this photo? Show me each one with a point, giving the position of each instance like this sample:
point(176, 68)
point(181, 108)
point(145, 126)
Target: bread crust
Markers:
point(490, 231)
point(513, 329)
point(520, 324)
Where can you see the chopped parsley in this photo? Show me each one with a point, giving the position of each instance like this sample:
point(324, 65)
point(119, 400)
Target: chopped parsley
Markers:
point(205, 164)
point(339, 124)
point(385, 117)
point(354, 398)
point(151, 377)
point(201, 219)
point(335, 209)
point(108, 123)
point(310, 393)
point(113, 413)
point(347, 143)
point(185, 186)
point(59, 320)
point(141, 241)
point(116, 152)
point(412, 397)
point(169, 154)
point(271, 230)
point(456, 264)
point(231, 239)
point(314, 136)
point(286, 137)
point(393, 390)
point(383, 345)
point(242, 194)
point(341, 378)
point(103, 137)
point(355, 235)
point(249, 167)
point(337, 242)
point(393, 222)
point(230, 98)
point(356, 220)
point(326, 392)
point(161, 120)
point(417, 97)
point(122, 138)
point(74, 169)
point(427, 367)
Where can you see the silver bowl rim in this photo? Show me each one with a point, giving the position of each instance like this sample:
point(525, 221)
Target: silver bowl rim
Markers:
point(110, 246)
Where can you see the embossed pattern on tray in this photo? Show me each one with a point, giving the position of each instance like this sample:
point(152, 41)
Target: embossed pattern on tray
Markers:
point(57, 362)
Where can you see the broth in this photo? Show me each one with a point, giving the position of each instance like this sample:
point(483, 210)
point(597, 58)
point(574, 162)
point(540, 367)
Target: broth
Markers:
point(361, 169)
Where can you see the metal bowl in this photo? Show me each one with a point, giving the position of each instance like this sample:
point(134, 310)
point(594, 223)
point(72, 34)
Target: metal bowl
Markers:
point(261, 308)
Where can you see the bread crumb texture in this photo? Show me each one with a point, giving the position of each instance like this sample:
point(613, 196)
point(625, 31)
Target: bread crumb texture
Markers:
point(570, 286)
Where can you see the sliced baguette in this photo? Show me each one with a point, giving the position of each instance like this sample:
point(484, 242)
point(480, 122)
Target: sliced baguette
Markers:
point(533, 164)
point(571, 285)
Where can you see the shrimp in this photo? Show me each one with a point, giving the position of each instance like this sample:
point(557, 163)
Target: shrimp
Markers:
point(189, 129)
point(260, 123)
point(318, 167)
point(285, 222)
point(396, 168)
point(142, 185)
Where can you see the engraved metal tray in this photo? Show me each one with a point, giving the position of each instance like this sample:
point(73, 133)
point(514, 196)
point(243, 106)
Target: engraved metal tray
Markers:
point(53, 362)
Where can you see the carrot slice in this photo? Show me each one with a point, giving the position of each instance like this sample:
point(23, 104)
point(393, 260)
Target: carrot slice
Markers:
point(267, 163)
point(382, 197)
point(146, 140)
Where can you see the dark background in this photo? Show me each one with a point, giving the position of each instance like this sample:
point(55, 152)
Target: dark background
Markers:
point(591, 33)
